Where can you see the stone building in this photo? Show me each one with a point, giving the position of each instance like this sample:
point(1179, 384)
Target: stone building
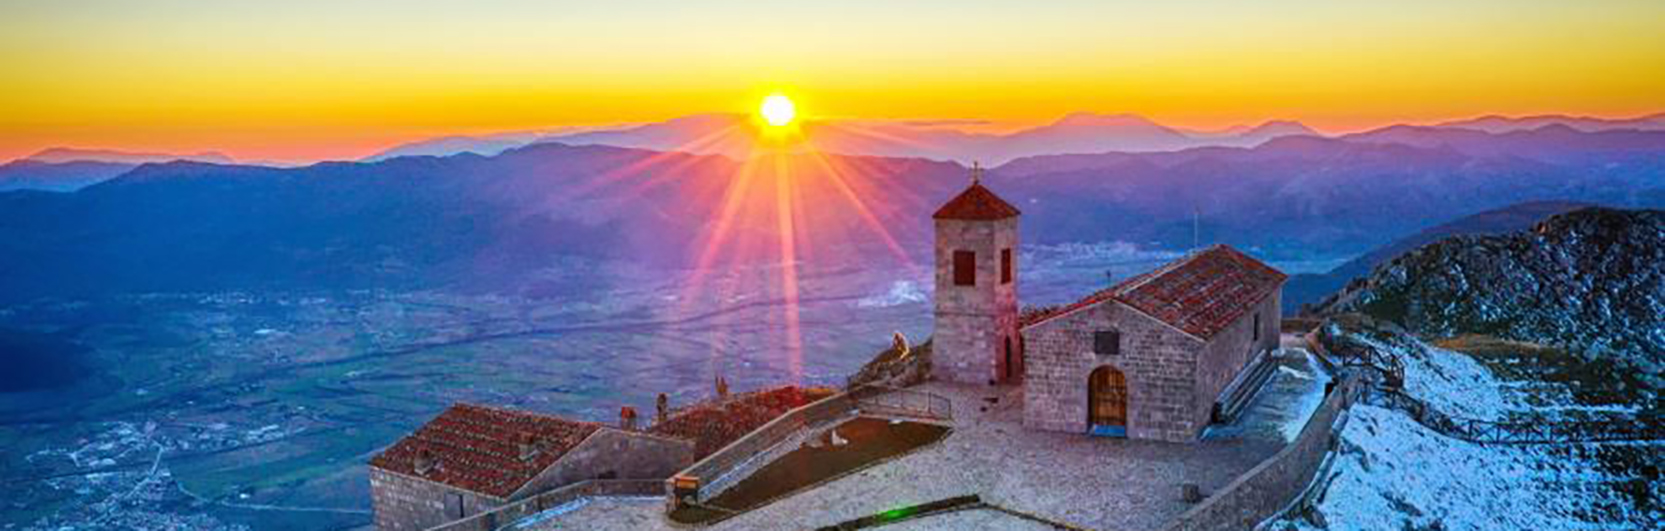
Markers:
point(1149, 358)
point(976, 338)
point(472, 458)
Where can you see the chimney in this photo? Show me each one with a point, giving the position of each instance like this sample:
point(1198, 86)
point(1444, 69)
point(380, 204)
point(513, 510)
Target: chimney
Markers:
point(424, 462)
point(627, 418)
point(528, 447)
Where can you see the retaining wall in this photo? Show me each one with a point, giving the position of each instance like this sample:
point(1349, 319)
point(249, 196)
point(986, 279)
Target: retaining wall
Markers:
point(740, 458)
point(509, 513)
point(715, 468)
point(1264, 490)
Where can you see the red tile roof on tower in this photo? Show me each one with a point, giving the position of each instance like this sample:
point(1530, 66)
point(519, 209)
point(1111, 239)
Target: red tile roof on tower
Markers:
point(976, 203)
point(478, 448)
point(1200, 294)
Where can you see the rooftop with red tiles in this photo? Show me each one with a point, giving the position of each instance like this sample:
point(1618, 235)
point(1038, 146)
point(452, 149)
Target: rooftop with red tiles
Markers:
point(976, 203)
point(1200, 294)
point(478, 448)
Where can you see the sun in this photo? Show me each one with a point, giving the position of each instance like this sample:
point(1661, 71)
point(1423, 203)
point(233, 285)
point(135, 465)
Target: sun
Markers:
point(778, 110)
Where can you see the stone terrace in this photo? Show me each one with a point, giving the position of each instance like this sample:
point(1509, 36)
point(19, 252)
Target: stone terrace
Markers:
point(1111, 484)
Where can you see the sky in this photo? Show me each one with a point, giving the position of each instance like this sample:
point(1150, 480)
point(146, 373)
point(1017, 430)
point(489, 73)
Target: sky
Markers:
point(304, 80)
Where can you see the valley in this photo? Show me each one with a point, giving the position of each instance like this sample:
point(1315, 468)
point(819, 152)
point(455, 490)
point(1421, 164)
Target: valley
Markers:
point(237, 410)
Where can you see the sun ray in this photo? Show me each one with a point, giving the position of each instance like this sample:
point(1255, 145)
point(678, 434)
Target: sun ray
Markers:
point(785, 212)
point(909, 198)
point(733, 201)
point(688, 153)
point(862, 210)
point(871, 133)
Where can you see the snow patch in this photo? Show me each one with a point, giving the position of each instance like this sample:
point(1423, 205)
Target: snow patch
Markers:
point(1448, 381)
point(901, 292)
point(1392, 473)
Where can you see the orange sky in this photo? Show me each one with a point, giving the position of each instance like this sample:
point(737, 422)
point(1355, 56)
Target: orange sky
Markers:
point(312, 79)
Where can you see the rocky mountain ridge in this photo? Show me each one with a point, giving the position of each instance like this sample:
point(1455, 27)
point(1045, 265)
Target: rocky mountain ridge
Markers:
point(1591, 281)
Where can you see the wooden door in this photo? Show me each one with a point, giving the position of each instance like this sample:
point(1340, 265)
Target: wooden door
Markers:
point(1106, 397)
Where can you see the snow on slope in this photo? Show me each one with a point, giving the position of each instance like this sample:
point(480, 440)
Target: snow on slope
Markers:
point(1451, 382)
point(1392, 473)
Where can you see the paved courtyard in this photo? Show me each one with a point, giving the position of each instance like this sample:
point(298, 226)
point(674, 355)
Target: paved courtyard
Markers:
point(1100, 483)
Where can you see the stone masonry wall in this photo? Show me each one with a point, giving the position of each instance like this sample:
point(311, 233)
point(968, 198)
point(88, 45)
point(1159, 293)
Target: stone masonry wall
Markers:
point(405, 503)
point(1231, 349)
point(616, 453)
point(1158, 362)
point(972, 322)
point(1273, 484)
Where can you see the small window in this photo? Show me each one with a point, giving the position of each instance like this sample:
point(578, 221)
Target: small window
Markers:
point(1257, 327)
point(965, 268)
point(1005, 266)
point(1107, 343)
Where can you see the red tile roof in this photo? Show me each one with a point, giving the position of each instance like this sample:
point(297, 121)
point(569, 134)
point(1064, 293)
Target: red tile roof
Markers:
point(477, 448)
point(976, 203)
point(1201, 294)
point(713, 425)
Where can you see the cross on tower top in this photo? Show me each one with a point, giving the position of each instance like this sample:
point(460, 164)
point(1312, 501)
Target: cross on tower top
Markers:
point(976, 172)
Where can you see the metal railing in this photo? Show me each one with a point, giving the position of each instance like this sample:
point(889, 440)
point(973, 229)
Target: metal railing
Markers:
point(1523, 430)
point(890, 401)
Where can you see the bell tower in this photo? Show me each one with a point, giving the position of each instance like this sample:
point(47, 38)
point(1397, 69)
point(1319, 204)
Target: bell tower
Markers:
point(976, 337)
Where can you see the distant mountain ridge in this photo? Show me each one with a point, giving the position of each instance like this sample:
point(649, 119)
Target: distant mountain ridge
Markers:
point(465, 221)
point(731, 135)
point(58, 176)
point(65, 169)
point(496, 222)
point(488, 145)
point(1550, 143)
point(1320, 193)
point(1504, 124)
point(69, 154)
point(1075, 133)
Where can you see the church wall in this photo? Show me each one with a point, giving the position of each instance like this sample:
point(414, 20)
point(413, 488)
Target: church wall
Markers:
point(1157, 361)
point(1232, 348)
point(405, 503)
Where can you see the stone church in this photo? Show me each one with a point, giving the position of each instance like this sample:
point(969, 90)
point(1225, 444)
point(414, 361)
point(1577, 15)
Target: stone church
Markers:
point(1153, 357)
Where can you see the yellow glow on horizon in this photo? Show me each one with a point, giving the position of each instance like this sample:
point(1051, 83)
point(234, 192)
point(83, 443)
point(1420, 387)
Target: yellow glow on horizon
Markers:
point(309, 79)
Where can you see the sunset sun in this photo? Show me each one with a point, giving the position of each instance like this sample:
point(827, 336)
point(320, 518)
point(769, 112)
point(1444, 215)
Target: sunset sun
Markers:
point(778, 110)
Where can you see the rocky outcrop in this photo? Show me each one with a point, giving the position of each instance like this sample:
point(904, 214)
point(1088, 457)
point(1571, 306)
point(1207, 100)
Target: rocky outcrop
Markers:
point(897, 366)
point(1591, 281)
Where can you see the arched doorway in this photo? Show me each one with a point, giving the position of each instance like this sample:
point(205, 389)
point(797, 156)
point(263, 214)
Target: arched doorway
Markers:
point(1107, 401)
